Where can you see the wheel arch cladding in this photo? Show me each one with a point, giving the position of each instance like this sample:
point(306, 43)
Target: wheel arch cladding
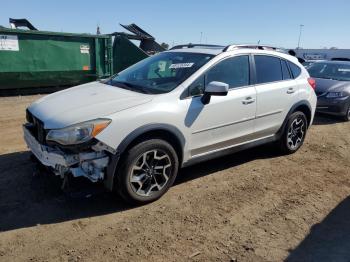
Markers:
point(169, 133)
point(303, 106)
point(306, 110)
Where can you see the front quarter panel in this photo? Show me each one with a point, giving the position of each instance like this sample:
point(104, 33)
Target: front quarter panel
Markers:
point(166, 111)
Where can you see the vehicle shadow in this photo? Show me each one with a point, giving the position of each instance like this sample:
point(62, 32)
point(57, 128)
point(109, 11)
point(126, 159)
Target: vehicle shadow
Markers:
point(323, 119)
point(328, 240)
point(225, 162)
point(27, 200)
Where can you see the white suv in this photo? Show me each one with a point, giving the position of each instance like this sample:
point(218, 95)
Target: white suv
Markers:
point(134, 130)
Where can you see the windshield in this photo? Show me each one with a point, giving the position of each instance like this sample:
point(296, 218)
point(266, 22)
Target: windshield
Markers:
point(333, 71)
point(160, 73)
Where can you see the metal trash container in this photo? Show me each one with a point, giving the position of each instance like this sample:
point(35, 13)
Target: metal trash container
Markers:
point(32, 58)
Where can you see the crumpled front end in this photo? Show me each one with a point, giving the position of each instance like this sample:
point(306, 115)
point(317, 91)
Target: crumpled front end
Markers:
point(91, 162)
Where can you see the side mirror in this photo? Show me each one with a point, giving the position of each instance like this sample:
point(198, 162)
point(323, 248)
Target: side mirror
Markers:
point(214, 88)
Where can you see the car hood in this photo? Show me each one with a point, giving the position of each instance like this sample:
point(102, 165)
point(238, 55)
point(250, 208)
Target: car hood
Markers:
point(328, 85)
point(83, 103)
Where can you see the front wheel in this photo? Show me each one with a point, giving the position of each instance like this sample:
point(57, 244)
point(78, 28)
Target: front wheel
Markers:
point(294, 133)
point(148, 170)
point(347, 115)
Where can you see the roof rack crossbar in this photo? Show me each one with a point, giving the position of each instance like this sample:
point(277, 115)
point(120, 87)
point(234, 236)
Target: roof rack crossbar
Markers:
point(195, 45)
point(261, 47)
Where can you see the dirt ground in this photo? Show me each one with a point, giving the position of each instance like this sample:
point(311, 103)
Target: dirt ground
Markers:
point(255, 205)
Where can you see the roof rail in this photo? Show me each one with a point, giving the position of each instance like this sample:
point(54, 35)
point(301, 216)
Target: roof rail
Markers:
point(230, 47)
point(261, 47)
point(195, 45)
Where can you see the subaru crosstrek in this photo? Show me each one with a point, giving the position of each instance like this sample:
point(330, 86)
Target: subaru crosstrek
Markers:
point(134, 131)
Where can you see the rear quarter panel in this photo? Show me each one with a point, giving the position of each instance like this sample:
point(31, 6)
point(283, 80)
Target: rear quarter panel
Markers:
point(306, 92)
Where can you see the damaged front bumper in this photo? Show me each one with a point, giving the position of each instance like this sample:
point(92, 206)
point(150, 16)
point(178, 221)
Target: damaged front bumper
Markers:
point(91, 164)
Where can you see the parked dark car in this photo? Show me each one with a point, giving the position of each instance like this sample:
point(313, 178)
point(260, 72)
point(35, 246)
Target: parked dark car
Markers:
point(332, 87)
point(308, 63)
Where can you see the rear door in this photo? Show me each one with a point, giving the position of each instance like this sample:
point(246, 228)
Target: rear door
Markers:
point(276, 93)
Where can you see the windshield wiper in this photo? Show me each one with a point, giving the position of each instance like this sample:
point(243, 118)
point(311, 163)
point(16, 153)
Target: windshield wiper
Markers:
point(129, 86)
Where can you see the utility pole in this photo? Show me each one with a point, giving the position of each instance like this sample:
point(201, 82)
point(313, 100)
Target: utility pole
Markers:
point(200, 40)
point(300, 29)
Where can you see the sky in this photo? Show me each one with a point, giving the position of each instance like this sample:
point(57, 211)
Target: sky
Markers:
point(277, 23)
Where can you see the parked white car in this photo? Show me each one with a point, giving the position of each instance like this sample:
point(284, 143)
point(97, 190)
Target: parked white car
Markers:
point(135, 130)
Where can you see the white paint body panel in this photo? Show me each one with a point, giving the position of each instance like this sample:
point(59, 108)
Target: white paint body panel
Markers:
point(225, 118)
point(273, 105)
point(83, 103)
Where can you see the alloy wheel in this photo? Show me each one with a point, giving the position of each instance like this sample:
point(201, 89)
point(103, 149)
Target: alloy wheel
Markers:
point(296, 133)
point(150, 173)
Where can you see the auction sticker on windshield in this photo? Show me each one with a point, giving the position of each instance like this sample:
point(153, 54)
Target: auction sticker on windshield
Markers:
point(181, 65)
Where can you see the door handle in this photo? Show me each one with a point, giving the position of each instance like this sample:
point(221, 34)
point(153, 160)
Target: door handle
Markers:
point(290, 90)
point(248, 100)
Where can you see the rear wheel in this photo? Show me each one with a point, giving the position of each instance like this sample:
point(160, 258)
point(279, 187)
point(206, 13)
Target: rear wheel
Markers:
point(294, 133)
point(148, 170)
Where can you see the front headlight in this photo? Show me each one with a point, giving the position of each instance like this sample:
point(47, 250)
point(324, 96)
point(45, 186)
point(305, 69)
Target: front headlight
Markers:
point(335, 94)
point(79, 133)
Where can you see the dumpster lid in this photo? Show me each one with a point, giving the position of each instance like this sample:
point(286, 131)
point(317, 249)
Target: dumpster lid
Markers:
point(15, 23)
point(133, 28)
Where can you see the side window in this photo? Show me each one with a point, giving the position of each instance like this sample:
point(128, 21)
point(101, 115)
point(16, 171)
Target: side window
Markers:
point(268, 69)
point(233, 71)
point(285, 70)
point(295, 69)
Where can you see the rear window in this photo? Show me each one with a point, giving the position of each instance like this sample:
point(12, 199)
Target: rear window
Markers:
point(268, 69)
point(296, 71)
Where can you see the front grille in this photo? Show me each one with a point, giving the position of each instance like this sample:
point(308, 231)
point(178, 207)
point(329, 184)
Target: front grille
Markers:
point(36, 128)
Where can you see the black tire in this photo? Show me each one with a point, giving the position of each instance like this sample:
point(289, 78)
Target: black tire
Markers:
point(134, 159)
point(347, 115)
point(290, 146)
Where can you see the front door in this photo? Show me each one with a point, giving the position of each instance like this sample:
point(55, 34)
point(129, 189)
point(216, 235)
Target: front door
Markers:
point(226, 120)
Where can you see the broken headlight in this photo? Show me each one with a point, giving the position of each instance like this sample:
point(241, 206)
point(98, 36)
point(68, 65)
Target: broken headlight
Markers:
point(79, 133)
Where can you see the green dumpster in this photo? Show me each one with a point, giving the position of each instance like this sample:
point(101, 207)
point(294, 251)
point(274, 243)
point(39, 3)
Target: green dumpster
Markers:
point(125, 53)
point(31, 58)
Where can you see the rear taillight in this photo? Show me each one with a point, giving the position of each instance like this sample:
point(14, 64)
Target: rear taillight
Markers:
point(312, 83)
